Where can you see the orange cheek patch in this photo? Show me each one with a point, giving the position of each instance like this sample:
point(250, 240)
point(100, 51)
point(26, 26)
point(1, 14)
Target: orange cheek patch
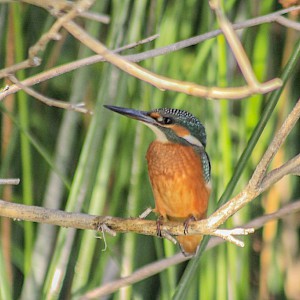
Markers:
point(155, 115)
point(180, 131)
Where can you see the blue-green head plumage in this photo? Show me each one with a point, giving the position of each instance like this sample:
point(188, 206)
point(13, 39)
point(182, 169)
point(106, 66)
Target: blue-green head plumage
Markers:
point(170, 116)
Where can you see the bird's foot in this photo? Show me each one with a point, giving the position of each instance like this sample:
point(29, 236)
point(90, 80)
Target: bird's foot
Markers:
point(187, 223)
point(158, 225)
point(163, 233)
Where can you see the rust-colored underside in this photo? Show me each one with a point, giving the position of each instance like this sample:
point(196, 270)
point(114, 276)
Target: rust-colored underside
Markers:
point(178, 185)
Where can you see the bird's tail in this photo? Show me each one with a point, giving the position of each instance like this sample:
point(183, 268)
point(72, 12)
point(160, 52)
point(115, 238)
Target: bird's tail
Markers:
point(189, 244)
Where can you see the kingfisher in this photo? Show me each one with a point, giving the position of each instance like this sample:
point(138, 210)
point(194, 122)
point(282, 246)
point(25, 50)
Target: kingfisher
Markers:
point(178, 167)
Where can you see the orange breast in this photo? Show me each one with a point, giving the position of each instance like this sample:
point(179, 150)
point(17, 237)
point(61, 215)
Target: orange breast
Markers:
point(177, 181)
point(178, 185)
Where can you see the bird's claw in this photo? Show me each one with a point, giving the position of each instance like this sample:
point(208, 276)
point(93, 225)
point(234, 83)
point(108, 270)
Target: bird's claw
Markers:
point(186, 223)
point(158, 224)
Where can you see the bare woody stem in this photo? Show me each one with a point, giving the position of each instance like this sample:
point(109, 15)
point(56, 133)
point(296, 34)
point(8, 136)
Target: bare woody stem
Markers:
point(80, 107)
point(13, 181)
point(273, 17)
point(84, 221)
point(235, 45)
point(53, 33)
point(273, 148)
point(111, 224)
point(162, 82)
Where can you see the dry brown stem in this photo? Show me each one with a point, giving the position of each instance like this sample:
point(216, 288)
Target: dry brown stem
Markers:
point(259, 181)
point(165, 83)
point(79, 107)
point(68, 67)
point(53, 33)
point(13, 181)
point(60, 5)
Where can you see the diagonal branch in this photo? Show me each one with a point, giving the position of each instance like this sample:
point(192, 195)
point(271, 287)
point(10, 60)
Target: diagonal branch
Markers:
point(79, 107)
point(68, 67)
point(133, 57)
point(165, 83)
point(62, 5)
point(235, 45)
point(256, 184)
point(53, 33)
point(14, 181)
point(112, 224)
point(84, 221)
point(288, 23)
point(273, 148)
point(290, 167)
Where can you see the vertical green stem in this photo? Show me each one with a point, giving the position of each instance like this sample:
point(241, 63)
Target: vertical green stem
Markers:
point(26, 179)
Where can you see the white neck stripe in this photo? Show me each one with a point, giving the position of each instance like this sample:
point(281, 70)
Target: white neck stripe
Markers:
point(192, 140)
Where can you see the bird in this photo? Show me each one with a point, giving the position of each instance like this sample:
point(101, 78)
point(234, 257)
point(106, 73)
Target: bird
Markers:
point(179, 168)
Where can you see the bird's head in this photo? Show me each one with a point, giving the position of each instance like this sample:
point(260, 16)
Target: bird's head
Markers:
point(169, 124)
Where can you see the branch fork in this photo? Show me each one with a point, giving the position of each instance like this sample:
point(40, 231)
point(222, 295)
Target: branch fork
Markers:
point(169, 229)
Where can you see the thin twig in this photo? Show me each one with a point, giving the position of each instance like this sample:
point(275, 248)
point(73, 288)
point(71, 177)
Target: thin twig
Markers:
point(165, 83)
point(137, 276)
point(228, 235)
point(255, 187)
point(64, 6)
point(146, 213)
point(273, 148)
point(288, 23)
point(105, 19)
point(290, 167)
point(282, 212)
point(53, 32)
point(51, 102)
point(61, 69)
point(28, 63)
point(10, 181)
point(235, 45)
point(272, 17)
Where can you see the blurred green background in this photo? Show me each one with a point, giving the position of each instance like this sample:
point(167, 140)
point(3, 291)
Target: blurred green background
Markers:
point(96, 164)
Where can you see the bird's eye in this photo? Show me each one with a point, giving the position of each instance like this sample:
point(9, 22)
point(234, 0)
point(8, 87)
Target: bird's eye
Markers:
point(168, 121)
point(164, 120)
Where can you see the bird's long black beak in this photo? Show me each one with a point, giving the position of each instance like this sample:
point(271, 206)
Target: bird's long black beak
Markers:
point(139, 115)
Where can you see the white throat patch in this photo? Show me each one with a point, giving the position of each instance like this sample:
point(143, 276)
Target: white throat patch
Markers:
point(192, 140)
point(160, 136)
